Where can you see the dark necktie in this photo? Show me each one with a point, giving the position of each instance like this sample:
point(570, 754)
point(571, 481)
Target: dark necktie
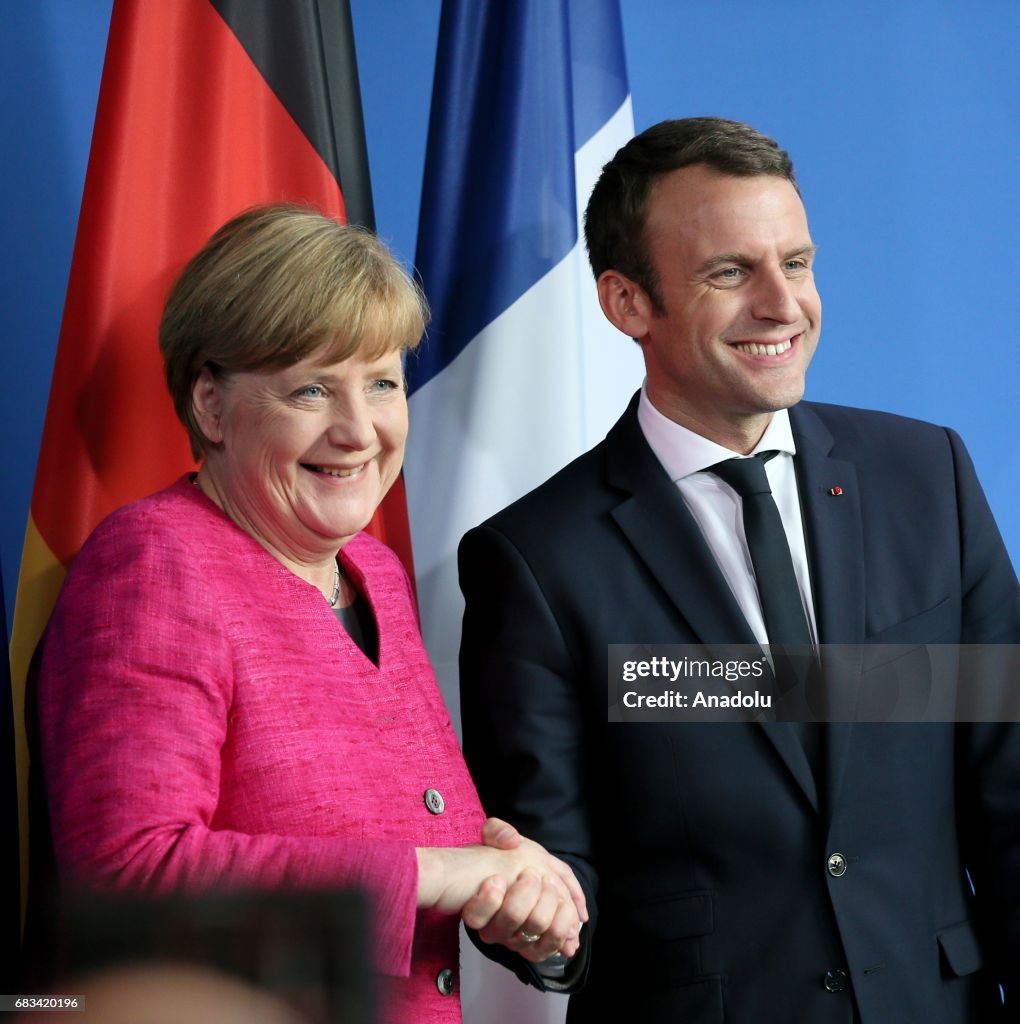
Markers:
point(781, 605)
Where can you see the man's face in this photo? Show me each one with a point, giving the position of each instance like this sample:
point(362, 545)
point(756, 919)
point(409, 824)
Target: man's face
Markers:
point(740, 315)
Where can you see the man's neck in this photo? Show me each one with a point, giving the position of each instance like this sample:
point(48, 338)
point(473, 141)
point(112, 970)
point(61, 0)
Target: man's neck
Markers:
point(737, 433)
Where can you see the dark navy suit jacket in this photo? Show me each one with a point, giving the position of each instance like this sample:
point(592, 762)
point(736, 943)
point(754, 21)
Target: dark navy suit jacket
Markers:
point(704, 848)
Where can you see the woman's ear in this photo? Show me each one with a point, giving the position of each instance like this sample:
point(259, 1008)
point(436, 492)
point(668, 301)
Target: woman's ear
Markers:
point(626, 304)
point(207, 405)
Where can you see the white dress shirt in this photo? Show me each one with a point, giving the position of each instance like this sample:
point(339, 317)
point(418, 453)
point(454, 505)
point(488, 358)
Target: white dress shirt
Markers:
point(718, 509)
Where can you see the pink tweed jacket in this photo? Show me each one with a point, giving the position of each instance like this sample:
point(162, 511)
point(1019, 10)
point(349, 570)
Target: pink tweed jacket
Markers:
point(206, 720)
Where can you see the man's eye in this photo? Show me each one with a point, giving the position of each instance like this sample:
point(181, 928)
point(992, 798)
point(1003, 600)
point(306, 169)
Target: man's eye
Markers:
point(729, 274)
point(795, 265)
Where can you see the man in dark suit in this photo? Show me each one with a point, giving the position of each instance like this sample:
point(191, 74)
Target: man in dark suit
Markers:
point(751, 872)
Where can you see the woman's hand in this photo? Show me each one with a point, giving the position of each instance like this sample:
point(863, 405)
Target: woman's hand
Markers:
point(510, 889)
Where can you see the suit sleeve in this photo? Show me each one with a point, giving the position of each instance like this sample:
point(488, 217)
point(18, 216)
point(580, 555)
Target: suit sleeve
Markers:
point(990, 788)
point(525, 734)
point(991, 597)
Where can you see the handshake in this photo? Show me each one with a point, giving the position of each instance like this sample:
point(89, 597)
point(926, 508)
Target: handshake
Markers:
point(507, 888)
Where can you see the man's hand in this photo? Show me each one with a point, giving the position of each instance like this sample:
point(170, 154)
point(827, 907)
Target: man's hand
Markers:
point(539, 913)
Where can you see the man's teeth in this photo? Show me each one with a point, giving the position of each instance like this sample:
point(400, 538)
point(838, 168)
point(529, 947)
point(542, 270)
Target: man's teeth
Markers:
point(754, 349)
point(329, 471)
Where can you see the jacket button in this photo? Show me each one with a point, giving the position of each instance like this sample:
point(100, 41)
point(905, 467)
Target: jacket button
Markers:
point(836, 981)
point(836, 864)
point(445, 982)
point(434, 801)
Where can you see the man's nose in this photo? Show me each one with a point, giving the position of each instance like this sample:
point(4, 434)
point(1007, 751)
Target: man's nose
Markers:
point(776, 298)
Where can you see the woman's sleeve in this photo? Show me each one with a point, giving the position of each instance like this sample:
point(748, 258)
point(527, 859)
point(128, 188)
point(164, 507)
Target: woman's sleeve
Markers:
point(135, 691)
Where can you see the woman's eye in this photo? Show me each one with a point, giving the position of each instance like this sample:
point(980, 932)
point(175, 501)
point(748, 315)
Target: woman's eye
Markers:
point(384, 385)
point(311, 391)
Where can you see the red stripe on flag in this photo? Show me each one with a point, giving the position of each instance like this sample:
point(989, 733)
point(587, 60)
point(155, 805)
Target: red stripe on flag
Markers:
point(392, 526)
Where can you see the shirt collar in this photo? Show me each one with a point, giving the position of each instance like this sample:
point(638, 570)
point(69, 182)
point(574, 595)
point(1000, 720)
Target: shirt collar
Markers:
point(682, 452)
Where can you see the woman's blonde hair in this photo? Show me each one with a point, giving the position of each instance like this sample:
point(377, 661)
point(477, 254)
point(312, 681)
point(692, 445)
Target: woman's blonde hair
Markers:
point(276, 285)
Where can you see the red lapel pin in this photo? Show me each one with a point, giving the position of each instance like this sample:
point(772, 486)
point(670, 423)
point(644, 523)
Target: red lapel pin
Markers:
point(835, 491)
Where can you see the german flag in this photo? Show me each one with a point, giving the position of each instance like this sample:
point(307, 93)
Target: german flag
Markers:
point(206, 107)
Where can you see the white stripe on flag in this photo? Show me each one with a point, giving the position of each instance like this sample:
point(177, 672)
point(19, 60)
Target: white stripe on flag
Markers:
point(534, 389)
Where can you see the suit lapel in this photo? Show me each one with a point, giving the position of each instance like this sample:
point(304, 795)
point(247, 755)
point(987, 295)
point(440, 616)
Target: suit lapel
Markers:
point(835, 542)
point(657, 523)
point(832, 522)
point(660, 528)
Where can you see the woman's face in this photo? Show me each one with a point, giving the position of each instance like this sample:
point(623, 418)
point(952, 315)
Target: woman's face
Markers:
point(306, 453)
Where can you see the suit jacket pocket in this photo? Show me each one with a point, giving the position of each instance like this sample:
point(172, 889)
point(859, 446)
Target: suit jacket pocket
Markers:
point(961, 951)
point(683, 916)
point(935, 625)
point(658, 940)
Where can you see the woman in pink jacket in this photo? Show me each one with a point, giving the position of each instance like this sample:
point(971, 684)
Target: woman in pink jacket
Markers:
point(233, 689)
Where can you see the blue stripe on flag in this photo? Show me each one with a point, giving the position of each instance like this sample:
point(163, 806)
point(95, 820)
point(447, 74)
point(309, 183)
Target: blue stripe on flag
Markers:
point(599, 67)
point(498, 199)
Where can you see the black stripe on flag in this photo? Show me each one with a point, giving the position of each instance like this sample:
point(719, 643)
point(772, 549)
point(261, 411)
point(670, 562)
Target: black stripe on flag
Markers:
point(304, 49)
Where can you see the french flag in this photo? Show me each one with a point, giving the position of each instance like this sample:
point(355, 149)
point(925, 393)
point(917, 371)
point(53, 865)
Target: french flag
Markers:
point(520, 372)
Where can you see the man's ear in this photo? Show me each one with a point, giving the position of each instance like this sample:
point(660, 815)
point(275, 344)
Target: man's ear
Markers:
point(207, 405)
point(626, 304)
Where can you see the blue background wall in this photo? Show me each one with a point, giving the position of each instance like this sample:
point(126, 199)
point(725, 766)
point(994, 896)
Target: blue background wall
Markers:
point(903, 119)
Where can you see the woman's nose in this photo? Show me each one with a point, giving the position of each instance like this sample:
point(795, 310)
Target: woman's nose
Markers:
point(352, 425)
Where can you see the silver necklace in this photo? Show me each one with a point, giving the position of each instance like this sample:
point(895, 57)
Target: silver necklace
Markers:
point(335, 596)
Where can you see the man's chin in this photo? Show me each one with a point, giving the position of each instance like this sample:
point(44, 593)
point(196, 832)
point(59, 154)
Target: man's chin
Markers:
point(782, 398)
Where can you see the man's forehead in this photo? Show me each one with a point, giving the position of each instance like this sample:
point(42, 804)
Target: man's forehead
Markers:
point(699, 200)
